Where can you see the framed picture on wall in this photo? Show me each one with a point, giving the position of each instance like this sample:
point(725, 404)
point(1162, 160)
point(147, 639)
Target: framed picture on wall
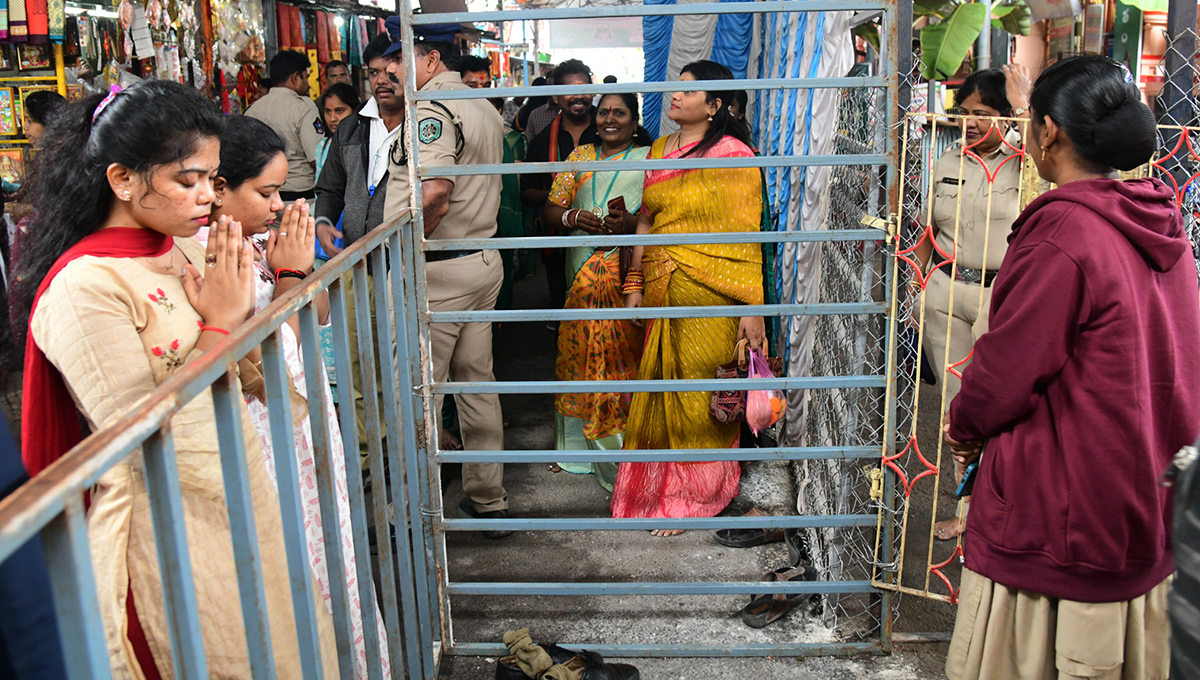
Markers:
point(12, 165)
point(34, 57)
point(8, 115)
point(74, 93)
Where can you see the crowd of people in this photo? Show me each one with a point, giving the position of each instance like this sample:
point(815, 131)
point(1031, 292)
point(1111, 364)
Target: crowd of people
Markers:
point(158, 226)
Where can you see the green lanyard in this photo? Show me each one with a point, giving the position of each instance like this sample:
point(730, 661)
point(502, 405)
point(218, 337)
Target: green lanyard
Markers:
point(598, 208)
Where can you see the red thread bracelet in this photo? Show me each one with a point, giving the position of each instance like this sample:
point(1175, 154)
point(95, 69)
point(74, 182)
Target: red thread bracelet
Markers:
point(214, 329)
point(290, 272)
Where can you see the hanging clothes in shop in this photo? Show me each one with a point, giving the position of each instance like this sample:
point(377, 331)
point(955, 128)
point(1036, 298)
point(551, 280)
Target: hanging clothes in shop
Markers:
point(284, 18)
point(297, 25)
point(56, 11)
point(18, 27)
point(335, 39)
point(3, 19)
point(38, 21)
point(322, 37)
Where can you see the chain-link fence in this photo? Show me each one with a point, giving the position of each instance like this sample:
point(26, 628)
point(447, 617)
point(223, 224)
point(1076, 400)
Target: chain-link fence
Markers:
point(848, 272)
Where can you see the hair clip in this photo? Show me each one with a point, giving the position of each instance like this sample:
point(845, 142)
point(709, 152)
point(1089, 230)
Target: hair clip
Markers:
point(108, 99)
point(1125, 70)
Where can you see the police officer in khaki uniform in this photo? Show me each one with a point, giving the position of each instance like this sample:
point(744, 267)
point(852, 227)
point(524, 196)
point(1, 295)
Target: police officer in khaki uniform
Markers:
point(459, 132)
point(975, 201)
point(289, 111)
point(976, 198)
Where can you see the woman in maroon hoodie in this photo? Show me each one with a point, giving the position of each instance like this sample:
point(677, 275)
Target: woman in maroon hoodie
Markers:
point(1086, 384)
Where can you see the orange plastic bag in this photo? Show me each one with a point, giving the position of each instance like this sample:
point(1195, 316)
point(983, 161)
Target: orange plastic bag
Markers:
point(764, 408)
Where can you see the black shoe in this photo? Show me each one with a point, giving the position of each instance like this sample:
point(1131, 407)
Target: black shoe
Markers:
point(468, 507)
point(507, 669)
point(595, 668)
point(594, 665)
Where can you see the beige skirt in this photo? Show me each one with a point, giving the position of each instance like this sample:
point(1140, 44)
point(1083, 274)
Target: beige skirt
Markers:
point(1004, 633)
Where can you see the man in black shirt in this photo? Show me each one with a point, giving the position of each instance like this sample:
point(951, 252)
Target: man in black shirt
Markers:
point(575, 125)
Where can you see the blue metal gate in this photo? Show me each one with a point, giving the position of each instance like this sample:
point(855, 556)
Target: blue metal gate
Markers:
point(410, 581)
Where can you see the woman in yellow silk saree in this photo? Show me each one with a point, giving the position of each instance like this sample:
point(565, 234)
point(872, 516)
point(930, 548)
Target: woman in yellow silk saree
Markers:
point(688, 202)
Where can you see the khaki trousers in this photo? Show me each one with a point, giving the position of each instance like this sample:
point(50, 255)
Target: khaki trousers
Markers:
point(966, 318)
point(1004, 633)
point(462, 352)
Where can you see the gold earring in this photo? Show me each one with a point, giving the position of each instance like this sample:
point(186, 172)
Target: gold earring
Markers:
point(1043, 153)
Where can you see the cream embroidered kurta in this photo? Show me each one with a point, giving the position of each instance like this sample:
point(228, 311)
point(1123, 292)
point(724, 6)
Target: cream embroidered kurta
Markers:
point(116, 330)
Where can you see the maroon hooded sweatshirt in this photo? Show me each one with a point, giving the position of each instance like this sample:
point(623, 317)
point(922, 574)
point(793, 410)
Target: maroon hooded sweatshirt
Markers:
point(1085, 386)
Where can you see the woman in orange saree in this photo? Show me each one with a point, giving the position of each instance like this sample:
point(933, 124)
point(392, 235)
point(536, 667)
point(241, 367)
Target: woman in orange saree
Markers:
point(686, 202)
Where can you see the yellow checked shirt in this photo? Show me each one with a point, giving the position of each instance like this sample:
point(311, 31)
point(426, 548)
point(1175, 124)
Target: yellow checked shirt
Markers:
point(475, 200)
point(979, 223)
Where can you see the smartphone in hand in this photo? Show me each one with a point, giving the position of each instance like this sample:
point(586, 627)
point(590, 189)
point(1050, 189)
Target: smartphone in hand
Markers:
point(968, 481)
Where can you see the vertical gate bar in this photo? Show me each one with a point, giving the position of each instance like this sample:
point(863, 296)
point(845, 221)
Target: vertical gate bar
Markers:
point(897, 43)
point(287, 480)
point(175, 566)
point(348, 421)
point(379, 483)
point(227, 405)
point(68, 559)
point(414, 279)
point(414, 653)
point(331, 524)
point(424, 564)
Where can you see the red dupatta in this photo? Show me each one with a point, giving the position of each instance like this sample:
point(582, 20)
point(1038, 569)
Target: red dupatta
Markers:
point(49, 426)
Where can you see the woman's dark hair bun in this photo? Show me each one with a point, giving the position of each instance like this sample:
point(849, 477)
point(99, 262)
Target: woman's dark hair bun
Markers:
point(1095, 101)
point(1126, 137)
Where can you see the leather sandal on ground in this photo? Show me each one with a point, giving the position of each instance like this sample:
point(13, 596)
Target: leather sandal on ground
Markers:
point(764, 610)
point(748, 538)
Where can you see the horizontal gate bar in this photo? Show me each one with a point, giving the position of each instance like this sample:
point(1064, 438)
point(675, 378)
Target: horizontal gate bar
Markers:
point(659, 455)
point(650, 523)
point(812, 160)
point(627, 651)
point(706, 312)
point(495, 243)
point(667, 86)
point(649, 11)
point(587, 386)
point(660, 588)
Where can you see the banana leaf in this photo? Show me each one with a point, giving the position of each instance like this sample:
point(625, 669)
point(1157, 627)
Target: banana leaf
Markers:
point(1013, 16)
point(945, 45)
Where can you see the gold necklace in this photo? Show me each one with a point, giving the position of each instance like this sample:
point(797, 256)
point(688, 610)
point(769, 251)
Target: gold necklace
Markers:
point(170, 266)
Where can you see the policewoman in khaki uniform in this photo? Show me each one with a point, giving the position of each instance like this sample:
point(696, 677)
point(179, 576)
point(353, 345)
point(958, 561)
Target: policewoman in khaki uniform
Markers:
point(976, 198)
point(460, 132)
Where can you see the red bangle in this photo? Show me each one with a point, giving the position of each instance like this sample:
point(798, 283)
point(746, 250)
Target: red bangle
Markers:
point(214, 329)
point(294, 273)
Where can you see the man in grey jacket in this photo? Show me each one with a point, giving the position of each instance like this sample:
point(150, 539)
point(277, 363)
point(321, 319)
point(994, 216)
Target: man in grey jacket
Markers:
point(353, 181)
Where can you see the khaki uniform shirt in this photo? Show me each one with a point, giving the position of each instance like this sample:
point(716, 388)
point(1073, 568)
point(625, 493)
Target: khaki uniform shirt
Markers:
point(475, 200)
point(295, 118)
point(979, 222)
